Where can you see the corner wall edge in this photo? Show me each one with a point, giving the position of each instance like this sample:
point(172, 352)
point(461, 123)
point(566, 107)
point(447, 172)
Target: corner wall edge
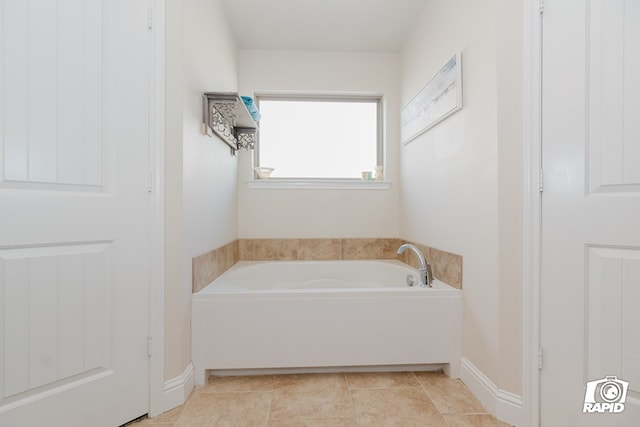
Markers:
point(504, 405)
point(177, 389)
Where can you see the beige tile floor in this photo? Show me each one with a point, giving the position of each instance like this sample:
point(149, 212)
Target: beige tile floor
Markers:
point(403, 399)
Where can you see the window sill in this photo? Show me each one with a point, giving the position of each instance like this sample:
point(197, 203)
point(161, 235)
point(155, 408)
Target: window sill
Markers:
point(318, 184)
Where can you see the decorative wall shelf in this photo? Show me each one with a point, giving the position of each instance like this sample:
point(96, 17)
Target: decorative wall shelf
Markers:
point(225, 114)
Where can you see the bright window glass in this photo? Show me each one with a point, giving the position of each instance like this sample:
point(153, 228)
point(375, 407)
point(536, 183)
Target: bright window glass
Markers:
point(319, 138)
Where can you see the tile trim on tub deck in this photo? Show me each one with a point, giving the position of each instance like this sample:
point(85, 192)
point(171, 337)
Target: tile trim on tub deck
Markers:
point(446, 266)
point(209, 266)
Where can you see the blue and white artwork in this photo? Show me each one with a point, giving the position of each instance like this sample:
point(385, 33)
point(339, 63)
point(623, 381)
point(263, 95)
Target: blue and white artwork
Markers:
point(439, 99)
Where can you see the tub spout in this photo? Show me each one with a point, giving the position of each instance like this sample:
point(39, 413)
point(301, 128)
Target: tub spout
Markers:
point(424, 270)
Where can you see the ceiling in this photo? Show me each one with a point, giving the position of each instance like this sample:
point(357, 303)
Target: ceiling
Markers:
point(329, 25)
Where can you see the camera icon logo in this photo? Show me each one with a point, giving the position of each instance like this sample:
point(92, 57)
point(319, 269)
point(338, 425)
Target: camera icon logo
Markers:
point(606, 395)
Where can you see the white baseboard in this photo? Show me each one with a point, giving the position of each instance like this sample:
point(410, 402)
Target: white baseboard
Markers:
point(504, 405)
point(509, 408)
point(177, 390)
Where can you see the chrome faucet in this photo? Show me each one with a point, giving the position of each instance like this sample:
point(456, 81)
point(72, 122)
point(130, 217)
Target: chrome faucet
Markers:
point(424, 270)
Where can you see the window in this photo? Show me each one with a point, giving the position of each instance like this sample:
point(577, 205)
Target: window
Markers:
point(310, 137)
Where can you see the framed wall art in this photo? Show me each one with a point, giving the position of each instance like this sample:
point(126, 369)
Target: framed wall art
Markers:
point(440, 98)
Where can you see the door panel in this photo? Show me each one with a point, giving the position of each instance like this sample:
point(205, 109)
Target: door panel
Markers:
point(590, 292)
point(53, 59)
point(613, 104)
point(74, 144)
point(48, 344)
point(613, 315)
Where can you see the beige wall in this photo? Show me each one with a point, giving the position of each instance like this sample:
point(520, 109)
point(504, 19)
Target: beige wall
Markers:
point(450, 173)
point(510, 191)
point(201, 180)
point(462, 180)
point(321, 213)
point(457, 187)
point(176, 344)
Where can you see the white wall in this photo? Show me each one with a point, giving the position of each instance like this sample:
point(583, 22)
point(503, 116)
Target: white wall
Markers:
point(204, 61)
point(321, 213)
point(449, 174)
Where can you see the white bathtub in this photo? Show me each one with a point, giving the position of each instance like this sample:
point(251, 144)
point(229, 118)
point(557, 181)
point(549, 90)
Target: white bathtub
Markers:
point(321, 314)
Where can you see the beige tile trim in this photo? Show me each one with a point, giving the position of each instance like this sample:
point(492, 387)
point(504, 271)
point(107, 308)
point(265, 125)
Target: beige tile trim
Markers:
point(318, 249)
point(209, 266)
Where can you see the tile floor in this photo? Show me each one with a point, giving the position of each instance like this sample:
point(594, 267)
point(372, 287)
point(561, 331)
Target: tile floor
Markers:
point(402, 399)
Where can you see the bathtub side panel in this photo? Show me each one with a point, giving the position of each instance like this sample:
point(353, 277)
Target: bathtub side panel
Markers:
point(248, 332)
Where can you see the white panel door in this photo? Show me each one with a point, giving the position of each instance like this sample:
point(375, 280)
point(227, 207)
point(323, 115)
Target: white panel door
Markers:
point(74, 143)
point(590, 291)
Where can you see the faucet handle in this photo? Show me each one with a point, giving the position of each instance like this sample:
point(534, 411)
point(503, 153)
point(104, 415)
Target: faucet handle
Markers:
point(411, 280)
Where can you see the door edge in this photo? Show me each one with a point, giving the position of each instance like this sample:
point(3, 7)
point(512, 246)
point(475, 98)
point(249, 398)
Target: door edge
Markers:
point(532, 118)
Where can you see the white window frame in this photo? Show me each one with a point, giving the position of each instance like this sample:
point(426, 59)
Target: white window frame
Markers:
point(324, 183)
